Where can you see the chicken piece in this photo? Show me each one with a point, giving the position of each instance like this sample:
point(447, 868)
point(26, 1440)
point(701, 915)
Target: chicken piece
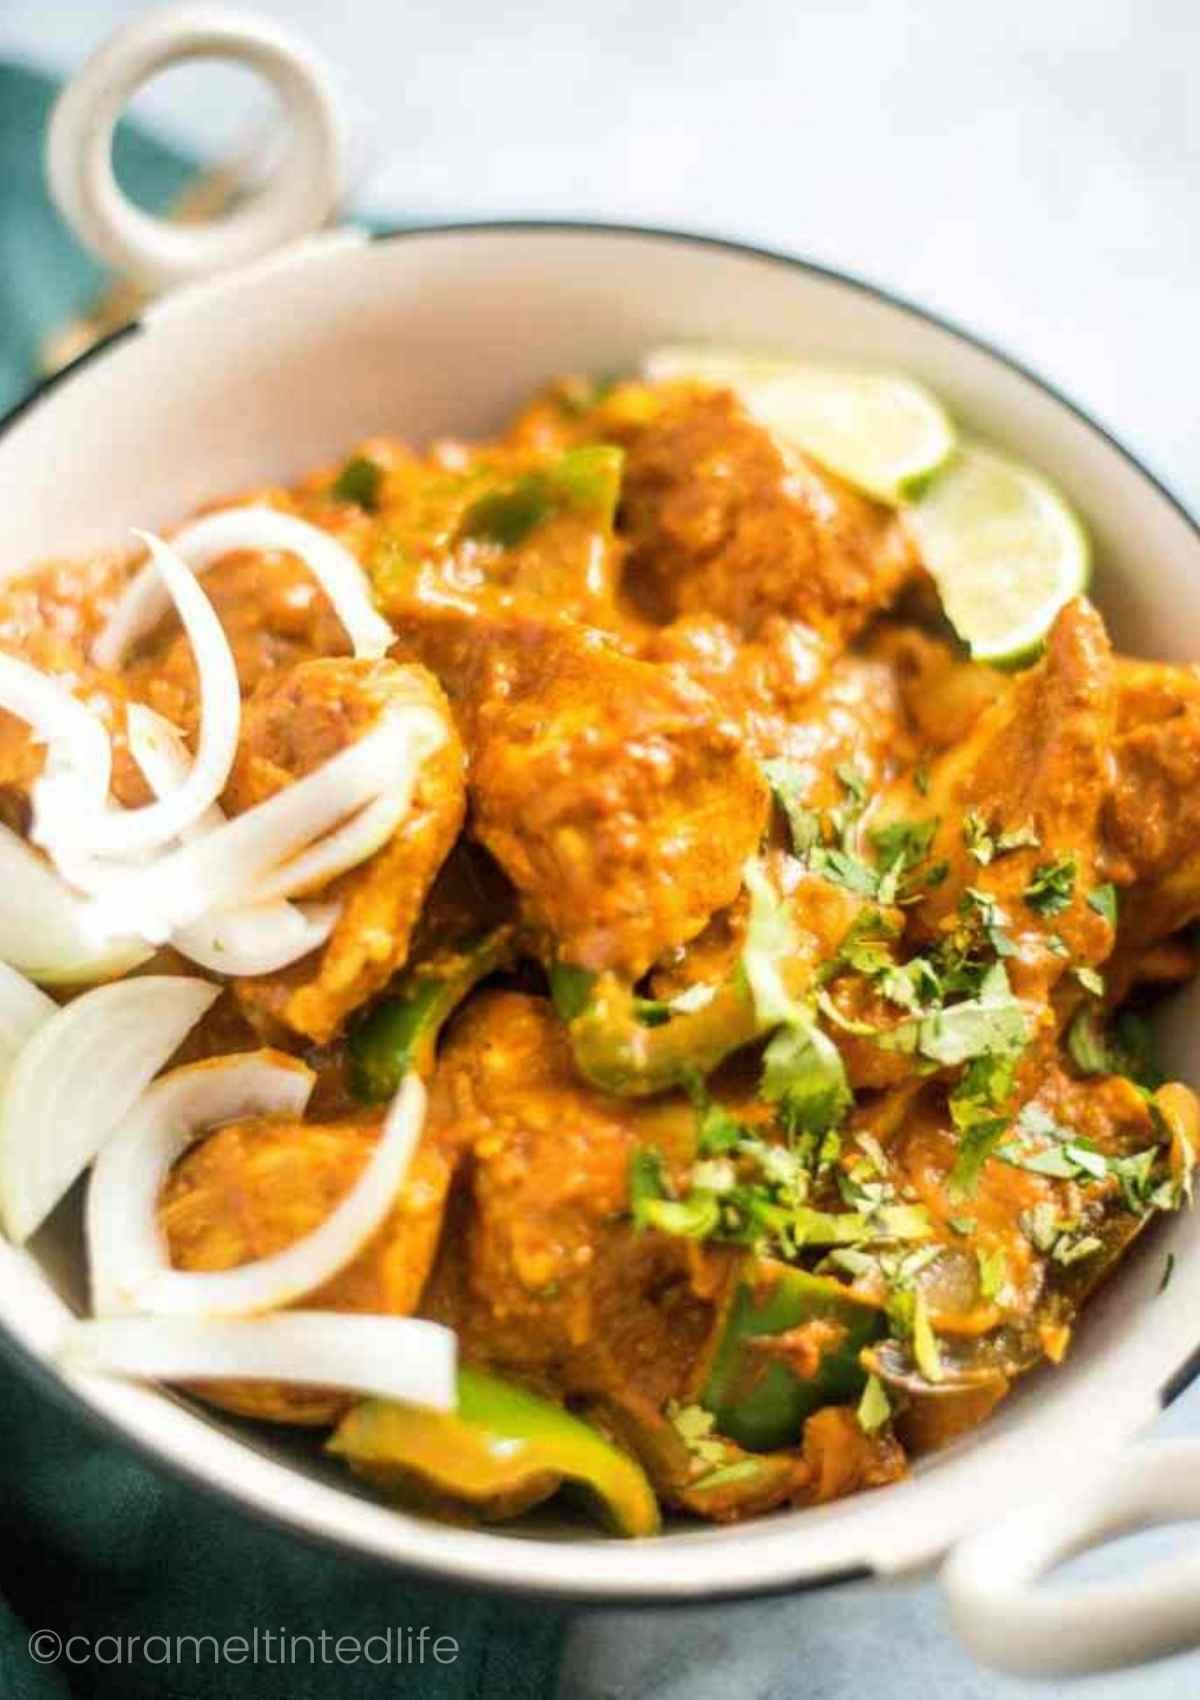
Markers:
point(255, 1187)
point(544, 1274)
point(293, 724)
point(274, 614)
point(1152, 819)
point(797, 700)
point(721, 520)
point(942, 695)
point(617, 797)
point(1038, 758)
point(50, 618)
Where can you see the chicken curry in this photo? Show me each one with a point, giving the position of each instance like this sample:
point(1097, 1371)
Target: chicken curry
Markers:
point(774, 971)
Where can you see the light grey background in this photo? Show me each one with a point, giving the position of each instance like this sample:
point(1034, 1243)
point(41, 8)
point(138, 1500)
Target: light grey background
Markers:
point(1028, 168)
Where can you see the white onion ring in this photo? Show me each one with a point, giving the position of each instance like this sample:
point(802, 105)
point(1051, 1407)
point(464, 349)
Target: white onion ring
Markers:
point(131, 1267)
point(208, 540)
point(50, 933)
point(23, 1008)
point(78, 1077)
point(125, 1244)
point(130, 832)
point(258, 939)
point(78, 765)
point(381, 1357)
point(256, 854)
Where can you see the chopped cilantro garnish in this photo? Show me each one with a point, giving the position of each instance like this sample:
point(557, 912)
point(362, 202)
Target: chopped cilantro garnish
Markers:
point(1052, 886)
point(1090, 980)
point(979, 1110)
point(1103, 899)
point(804, 1076)
point(787, 787)
point(992, 1023)
point(920, 776)
point(873, 1408)
point(770, 942)
point(907, 841)
point(993, 1270)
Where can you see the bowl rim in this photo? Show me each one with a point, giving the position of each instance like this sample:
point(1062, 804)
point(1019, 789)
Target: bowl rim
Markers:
point(168, 1464)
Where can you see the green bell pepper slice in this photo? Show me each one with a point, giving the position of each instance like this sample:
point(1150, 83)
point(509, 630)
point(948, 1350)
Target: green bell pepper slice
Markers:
point(400, 1032)
point(586, 480)
point(503, 1450)
point(757, 1398)
point(627, 1045)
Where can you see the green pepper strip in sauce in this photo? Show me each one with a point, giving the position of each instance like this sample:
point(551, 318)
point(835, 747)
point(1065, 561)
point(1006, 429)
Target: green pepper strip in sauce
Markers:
point(503, 1450)
point(758, 1399)
point(400, 1032)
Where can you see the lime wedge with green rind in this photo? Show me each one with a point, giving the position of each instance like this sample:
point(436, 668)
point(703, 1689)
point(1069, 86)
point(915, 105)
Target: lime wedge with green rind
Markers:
point(1005, 550)
point(880, 431)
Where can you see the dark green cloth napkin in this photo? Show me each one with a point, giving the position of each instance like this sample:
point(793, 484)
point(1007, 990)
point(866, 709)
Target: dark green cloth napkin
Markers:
point(93, 1544)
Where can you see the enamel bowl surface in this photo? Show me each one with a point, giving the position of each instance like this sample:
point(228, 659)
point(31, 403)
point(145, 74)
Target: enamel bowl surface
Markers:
point(265, 373)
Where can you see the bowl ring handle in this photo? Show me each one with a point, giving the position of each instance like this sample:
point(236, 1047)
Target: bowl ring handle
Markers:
point(298, 197)
point(994, 1579)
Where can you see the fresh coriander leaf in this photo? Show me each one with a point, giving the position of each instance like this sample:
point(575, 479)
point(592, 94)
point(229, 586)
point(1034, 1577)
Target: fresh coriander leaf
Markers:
point(788, 784)
point(1103, 899)
point(965, 1225)
point(842, 867)
point(925, 1346)
point(1052, 886)
point(1090, 980)
point(770, 942)
point(993, 1270)
point(803, 1075)
point(977, 838)
point(873, 1408)
point(906, 841)
point(1068, 1250)
point(1024, 837)
point(978, 1108)
point(920, 776)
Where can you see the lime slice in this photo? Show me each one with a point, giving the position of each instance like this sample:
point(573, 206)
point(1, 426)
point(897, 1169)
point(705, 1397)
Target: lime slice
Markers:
point(879, 431)
point(1005, 550)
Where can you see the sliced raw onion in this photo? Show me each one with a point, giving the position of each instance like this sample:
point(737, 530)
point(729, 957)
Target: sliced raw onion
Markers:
point(209, 539)
point(259, 939)
point(381, 1357)
point(251, 856)
point(50, 933)
point(126, 1247)
point(78, 749)
point(22, 1010)
point(75, 1081)
point(129, 832)
point(131, 1265)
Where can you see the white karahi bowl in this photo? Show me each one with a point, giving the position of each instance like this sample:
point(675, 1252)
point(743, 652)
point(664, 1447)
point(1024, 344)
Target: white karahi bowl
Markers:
point(278, 364)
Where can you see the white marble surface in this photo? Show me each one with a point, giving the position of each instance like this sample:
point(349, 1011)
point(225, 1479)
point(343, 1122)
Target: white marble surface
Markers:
point(1029, 169)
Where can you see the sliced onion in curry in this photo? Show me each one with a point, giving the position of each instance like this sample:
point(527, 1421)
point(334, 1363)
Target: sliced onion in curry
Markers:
point(131, 1266)
point(292, 842)
point(387, 1357)
point(258, 939)
point(51, 933)
point(108, 831)
point(125, 1244)
point(23, 1008)
point(78, 763)
point(77, 1078)
point(255, 528)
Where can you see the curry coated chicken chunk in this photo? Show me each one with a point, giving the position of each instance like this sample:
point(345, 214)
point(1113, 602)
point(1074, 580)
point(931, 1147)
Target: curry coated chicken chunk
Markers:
point(295, 721)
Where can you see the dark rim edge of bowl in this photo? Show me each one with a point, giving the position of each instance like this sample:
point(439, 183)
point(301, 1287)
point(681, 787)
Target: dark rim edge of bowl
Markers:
point(61, 1392)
